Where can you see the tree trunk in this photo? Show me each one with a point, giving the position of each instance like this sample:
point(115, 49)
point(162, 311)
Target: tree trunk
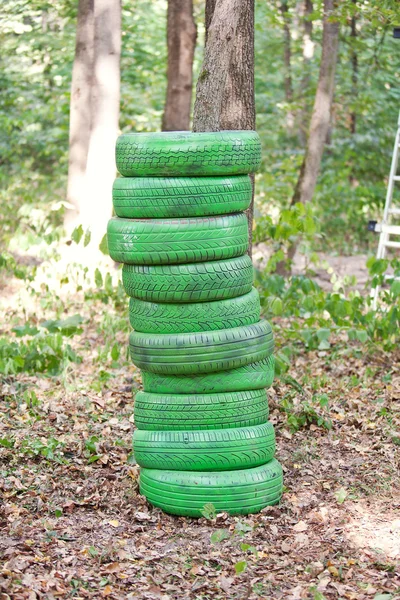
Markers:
point(225, 89)
point(100, 172)
point(321, 114)
point(320, 120)
point(80, 111)
point(181, 42)
point(308, 52)
point(354, 70)
point(287, 51)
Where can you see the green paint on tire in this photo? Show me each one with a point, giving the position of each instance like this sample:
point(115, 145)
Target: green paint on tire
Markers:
point(212, 450)
point(175, 241)
point(198, 282)
point(152, 317)
point(173, 412)
point(243, 491)
point(254, 376)
point(168, 197)
point(180, 154)
point(202, 352)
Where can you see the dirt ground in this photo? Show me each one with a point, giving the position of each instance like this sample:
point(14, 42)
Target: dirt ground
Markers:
point(73, 524)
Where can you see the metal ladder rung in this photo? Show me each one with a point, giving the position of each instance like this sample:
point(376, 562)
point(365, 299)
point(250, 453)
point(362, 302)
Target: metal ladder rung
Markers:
point(396, 177)
point(394, 211)
point(391, 244)
point(390, 229)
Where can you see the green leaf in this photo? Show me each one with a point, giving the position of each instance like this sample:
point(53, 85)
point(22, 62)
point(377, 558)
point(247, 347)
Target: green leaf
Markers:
point(98, 278)
point(77, 234)
point(87, 238)
point(209, 511)
point(6, 443)
point(249, 548)
point(361, 335)
point(341, 495)
point(218, 535)
point(383, 597)
point(115, 352)
point(240, 567)
point(103, 246)
point(58, 512)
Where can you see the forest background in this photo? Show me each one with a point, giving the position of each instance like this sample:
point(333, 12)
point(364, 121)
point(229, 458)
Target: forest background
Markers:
point(66, 379)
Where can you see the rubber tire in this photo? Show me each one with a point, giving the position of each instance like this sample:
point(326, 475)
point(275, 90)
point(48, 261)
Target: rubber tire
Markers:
point(213, 450)
point(180, 412)
point(201, 282)
point(176, 241)
point(151, 317)
point(183, 154)
point(250, 377)
point(238, 492)
point(202, 352)
point(169, 197)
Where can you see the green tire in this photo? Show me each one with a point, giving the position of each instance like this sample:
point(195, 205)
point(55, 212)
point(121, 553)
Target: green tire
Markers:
point(180, 154)
point(175, 241)
point(198, 282)
point(202, 352)
point(250, 377)
point(151, 317)
point(168, 197)
point(241, 492)
point(211, 450)
point(174, 412)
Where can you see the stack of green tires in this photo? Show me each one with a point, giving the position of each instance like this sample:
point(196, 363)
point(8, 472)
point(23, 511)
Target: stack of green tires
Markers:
point(203, 434)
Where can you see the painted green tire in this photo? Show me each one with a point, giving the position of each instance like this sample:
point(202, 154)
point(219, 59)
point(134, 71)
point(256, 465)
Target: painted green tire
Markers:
point(180, 154)
point(176, 241)
point(173, 412)
point(198, 282)
point(254, 376)
point(166, 197)
point(151, 317)
point(236, 492)
point(201, 352)
point(211, 450)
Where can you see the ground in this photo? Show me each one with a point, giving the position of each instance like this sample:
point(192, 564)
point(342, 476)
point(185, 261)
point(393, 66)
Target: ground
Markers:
point(73, 524)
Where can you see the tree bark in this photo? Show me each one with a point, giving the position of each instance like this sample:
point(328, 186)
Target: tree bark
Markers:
point(308, 52)
point(287, 51)
point(321, 114)
point(181, 43)
point(225, 89)
point(100, 172)
point(354, 70)
point(320, 121)
point(80, 111)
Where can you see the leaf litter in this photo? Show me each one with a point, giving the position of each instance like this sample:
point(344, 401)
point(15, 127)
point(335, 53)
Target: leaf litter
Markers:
point(73, 524)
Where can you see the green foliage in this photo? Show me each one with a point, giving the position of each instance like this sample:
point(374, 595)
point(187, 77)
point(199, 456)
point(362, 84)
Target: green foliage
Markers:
point(40, 352)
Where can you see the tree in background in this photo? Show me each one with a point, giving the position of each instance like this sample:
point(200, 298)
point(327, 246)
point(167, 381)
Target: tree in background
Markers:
point(181, 43)
point(225, 88)
point(94, 114)
point(80, 110)
point(321, 115)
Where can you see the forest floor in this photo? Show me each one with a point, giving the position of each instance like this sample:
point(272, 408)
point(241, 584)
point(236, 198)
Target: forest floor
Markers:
point(73, 524)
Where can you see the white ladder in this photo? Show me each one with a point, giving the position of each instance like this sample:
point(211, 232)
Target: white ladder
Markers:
point(386, 228)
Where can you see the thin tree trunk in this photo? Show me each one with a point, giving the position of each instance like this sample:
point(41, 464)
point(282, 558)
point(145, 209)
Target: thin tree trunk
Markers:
point(105, 98)
point(320, 118)
point(321, 114)
point(287, 51)
point(225, 89)
point(354, 70)
point(181, 42)
point(308, 52)
point(80, 111)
